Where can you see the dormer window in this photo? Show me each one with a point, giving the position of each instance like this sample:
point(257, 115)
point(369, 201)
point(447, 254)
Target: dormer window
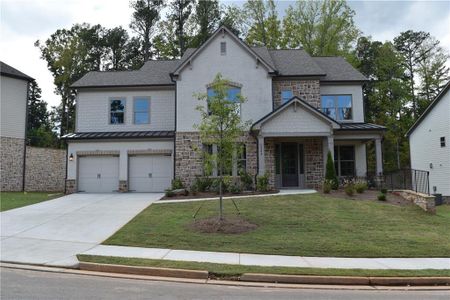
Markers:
point(338, 107)
point(223, 48)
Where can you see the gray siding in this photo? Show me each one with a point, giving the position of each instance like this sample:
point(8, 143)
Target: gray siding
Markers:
point(13, 107)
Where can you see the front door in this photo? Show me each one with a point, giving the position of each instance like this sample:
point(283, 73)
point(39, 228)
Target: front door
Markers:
point(289, 164)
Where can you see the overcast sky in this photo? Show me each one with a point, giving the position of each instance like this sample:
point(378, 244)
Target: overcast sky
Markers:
point(23, 22)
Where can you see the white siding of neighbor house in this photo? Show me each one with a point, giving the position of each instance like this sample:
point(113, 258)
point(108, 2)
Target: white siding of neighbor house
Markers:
point(13, 107)
point(348, 89)
point(425, 146)
point(121, 146)
point(294, 119)
point(237, 66)
point(93, 110)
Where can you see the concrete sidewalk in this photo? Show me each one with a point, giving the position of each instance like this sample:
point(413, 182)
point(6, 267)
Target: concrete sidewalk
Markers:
point(271, 260)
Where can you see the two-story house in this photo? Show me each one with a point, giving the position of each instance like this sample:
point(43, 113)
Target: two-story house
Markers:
point(13, 111)
point(135, 130)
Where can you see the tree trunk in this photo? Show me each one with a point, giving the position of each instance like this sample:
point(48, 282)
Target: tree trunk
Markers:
point(220, 199)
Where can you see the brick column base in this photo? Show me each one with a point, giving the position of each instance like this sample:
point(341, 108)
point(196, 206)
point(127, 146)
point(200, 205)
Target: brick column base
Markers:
point(123, 186)
point(71, 186)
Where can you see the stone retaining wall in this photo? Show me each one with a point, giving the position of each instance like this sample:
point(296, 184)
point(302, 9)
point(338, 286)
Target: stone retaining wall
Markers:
point(425, 202)
point(45, 169)
point(11, 164)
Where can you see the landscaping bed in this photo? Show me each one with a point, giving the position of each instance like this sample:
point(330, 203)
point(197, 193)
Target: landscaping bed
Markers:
point(369, 195)
point(11, 200)
point(201, 195)
point(301, 225)
point(233, 272)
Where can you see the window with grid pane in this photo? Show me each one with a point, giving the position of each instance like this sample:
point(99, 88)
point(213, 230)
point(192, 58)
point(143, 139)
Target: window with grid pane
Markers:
point(344, 160)
point(141, 110)
point(338, 107)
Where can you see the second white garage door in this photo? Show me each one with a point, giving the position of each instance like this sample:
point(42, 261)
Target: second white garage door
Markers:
point(98, 174)
point(149, 173)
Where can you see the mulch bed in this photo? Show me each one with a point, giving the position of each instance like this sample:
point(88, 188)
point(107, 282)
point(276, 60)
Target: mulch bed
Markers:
point(201, 195)
point(369, 195)
point(228, 225)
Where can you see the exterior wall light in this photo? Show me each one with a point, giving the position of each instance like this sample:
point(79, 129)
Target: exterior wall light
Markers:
point(71, 157)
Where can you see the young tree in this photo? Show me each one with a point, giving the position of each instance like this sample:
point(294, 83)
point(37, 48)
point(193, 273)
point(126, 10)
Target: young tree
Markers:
point(221, 125)
point(330, 172)
point(206, 18)
point(145, 16)
point(320, 27)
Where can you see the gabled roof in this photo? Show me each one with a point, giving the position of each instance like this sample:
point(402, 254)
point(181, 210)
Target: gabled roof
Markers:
point(429, 108)
point(152, 73)
point(222, 30)
point(304, 104)
point(7, 70)
point(295, 62)
point(337, 68)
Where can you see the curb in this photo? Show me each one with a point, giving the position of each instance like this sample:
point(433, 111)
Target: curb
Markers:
point(147, 271)
point(347, 280)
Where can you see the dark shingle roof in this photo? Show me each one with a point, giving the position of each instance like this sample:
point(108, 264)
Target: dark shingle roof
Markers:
point(153, 72)
point(118, 135)
point(338, 69)
point(7, 70)
point(361, 126)
point(295, 62)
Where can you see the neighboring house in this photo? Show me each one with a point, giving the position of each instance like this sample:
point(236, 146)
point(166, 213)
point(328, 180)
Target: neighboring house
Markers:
point(429, 142)
point(13, 109)
point(135, 129)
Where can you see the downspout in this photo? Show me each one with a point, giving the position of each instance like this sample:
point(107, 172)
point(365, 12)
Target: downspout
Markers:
point(25, 139)
point(175, 129)
point(67, 164)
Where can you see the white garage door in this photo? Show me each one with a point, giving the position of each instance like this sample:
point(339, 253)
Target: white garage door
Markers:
point(98, 174)
point(149, 173)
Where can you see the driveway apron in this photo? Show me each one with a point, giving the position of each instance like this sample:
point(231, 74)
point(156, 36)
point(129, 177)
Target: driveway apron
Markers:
point(53, 232)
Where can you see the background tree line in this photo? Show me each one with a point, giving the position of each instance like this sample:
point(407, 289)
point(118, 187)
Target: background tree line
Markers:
point(405, 73)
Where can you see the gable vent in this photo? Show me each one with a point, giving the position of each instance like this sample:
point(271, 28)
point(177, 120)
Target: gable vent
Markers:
point(223, 48)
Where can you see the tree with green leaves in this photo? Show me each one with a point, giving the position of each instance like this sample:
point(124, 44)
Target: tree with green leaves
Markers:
point(320, 27)
point(205, 19)
point(330, 172)
point(233, 18)
point(220, 125)
point(145, 16)
point(180, 11)
point(264, 25)
point(115, 41)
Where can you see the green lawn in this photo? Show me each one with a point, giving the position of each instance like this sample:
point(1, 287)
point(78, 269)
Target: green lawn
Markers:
point(230, 271)
point(306, 225)
point(10, 200)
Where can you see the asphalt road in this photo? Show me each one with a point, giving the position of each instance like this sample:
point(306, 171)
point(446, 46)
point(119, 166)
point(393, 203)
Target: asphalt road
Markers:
point(23, 284)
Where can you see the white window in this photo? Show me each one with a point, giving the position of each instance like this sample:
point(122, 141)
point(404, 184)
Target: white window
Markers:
point(117, 111)
point(223, 48)
point(338, 107)
point(141, 110)
point(233, 95)
point(286, 95)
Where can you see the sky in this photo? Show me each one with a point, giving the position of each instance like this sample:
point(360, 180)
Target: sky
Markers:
point(22, 22)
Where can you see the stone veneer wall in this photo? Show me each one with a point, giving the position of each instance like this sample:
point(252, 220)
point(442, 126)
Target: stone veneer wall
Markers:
point(308, 90)
point(188, 160)
point(11, 164)
point(45, 169)
point(425, 202)
point(71, 186)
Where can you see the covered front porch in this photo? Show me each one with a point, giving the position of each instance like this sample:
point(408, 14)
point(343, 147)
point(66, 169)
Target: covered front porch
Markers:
point(294, 140)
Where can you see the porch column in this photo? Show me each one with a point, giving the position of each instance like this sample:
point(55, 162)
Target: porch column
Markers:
point(261, 157)
point(330, 141)
point(378, 155)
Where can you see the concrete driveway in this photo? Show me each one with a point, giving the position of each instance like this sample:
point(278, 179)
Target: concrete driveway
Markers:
point(53, 232)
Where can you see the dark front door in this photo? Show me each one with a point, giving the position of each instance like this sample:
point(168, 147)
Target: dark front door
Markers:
point(289, 164)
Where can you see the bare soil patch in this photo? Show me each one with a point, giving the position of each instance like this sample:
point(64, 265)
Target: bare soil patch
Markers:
point(369, 195)
point(228, 225)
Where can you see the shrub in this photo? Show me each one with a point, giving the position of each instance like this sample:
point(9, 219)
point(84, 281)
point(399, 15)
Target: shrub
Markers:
point(330, 173)
point(246, 180)
point(326, 186)
point(235, 188)
point(194, 189)
point(169, 193)
point(381, 197)
point(384, 190)
point(262, 183)
point(349, 188)
point(226, 183)
point(202, 183)
point(361, 186)
point(177, 184)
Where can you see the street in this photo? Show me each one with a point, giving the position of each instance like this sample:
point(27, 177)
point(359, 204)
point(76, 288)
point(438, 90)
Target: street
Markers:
point(24, 284)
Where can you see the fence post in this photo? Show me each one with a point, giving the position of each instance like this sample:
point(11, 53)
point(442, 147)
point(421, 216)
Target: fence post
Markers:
point(428, 182)
point(415, 180)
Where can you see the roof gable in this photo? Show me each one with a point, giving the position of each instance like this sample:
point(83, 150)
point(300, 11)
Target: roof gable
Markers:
point(430, 107)
point(304, 105)
point(7, 70)
point(223, 30)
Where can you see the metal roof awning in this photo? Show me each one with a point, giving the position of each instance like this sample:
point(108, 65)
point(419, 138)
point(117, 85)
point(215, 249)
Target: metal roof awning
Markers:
point(118, 135)
point(361, 126)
